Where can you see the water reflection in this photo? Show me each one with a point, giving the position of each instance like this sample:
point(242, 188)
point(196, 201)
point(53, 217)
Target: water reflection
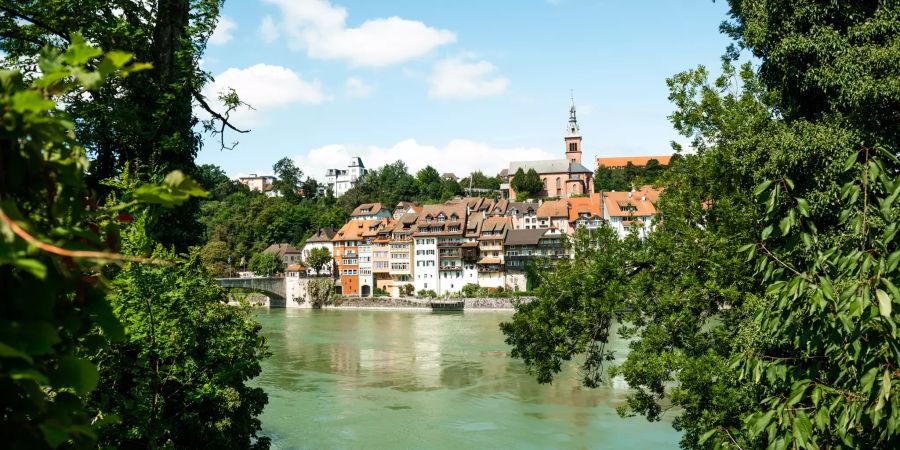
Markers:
point(404, 379)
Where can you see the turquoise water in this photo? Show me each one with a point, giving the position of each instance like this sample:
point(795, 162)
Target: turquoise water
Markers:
point(408, 379)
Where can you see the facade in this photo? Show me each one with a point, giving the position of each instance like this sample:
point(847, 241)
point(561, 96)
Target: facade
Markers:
point(491, 266)
point(586, 212)
point(381, 257)
point(401, 256)
point(437, 241)
point(342, 180)
point(630, 212)
point(286, 253)
point(529, 246)
point(404, 208)
point(523, 214)
point(258, 183)
point(553, 214)
point(322, 239)
point(346, 255)
point(370, 211)
point(561, 177)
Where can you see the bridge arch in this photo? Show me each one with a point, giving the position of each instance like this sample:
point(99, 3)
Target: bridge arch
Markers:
point(273, 287)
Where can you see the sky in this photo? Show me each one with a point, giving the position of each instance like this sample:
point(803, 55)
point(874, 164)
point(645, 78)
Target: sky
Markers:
point(459, 85)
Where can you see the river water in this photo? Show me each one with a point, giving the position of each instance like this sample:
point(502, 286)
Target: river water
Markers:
point(414, 379)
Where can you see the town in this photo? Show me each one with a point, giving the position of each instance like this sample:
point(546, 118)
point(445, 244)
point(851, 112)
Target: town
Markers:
point(436, 250)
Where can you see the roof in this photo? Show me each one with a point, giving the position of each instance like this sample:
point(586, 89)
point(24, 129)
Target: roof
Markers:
point(614, 202)
point(366, 209)
point(281, 249)
point(548, 166)
point(592, 206)
point(524, 237)
point(622, 161)
point(521, 207)
point(489, 261)
point(449, 175)
point(294, 268)
point(323, 235)
point(553, 208)
point(449, 211)
point(353, 230)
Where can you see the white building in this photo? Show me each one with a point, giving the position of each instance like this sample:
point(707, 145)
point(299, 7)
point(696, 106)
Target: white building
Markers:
point(322, 239)
point(366, 280)
point(437, 254)
point(342, 180)
point(631, 211)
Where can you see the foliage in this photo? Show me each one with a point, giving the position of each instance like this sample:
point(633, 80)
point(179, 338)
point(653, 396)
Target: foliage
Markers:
point(574, 308)
point(215, 257)
point(631, 176)
point(289, 178)
point(393, 183)
point(319, 258)
point(427, 293)
point(407, 290)
point(179, 379)
point(265, 264)
point(321, 291)
point(470, 290)
point(378, 292)
point(478, 180)
point(56, 246)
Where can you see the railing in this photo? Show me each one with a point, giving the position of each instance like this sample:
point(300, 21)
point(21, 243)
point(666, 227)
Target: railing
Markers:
point(450, 267)
point(449, 244)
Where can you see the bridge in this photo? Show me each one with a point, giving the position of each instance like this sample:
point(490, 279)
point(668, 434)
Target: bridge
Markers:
point(273, 287)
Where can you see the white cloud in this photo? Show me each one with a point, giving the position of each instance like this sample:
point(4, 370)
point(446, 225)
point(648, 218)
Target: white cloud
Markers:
point(460, 156)
point(269, 30)
point(321, 29)
point(265, 88)
point(223, 32)
point(357, 88)
point(462, 78)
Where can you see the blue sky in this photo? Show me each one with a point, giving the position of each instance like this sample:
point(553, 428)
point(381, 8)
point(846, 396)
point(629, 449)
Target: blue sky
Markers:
point(459, 85)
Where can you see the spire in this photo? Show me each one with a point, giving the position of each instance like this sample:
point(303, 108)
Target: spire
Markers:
point(572, 127)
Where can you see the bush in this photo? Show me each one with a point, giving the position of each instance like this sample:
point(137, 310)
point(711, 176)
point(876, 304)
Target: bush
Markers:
point(380, 293)
point(407, 290)
point(427, 293)
point(471, 290)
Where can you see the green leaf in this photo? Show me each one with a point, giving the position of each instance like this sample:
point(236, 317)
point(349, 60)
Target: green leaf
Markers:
point(77, 373)
point(850, 161)
point(798, 392)
point(884, 303)
point(803, 207)
point(29, 374)
point(9, 352)
point(705, 436)
point(80, 52)
point(32, 266)
point(766, 232)
point(30, 101)
point(802, 429)
point(761, 187)
point(175, 189)
point(119, 58)
point(785, 225)
point(54, 435)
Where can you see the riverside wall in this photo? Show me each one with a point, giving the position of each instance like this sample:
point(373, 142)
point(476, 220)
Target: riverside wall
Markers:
point(421, 303)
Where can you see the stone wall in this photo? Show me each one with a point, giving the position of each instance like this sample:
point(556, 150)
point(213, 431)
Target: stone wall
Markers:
point(411, 302)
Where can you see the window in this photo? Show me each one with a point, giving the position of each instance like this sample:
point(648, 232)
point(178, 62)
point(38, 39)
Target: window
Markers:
point(557, 184)
point(573, 147)
point(545, 183)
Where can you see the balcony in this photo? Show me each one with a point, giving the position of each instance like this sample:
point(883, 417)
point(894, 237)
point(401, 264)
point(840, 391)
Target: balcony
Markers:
point(449, 243)
point(450, 268)
point(452, 254)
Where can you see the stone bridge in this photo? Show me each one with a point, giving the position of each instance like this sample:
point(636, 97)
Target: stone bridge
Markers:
point(273, 287)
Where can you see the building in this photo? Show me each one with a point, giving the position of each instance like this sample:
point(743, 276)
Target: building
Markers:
point(370, 211)
point(259, 183)
point(322, 239)
point(561, 177)
point(523, 214)
point(286, 253)
point(401, 245)
point(620, 162)
point(339, 181)
point(630, 212)
point(437, 241)
point(381, 256)
point(346, 244)
point(553, 214)
point(491, 266)
point(529, 246)
point(403, 208)
point(586, 212)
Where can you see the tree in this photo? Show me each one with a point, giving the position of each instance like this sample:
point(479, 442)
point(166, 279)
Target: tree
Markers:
point(289, 178)
point(518, 182)
point(179, 378)
point(533, 183)
point(319, 258)
point(265, 264)
point(321, 291)
point(429, 181)
point(215, 257)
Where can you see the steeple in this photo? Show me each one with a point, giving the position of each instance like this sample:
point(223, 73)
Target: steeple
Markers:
point(572, 127)
point(573, 137)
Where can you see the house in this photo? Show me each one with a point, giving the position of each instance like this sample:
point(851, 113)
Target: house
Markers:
point(437, 239)
point(346, 244)
point(560, 177)
point(370, 211)
point(339, 181)
point(322, 239)
point(259, 183)
point(490, 247)
point(286, 253)
point(381, 256)
point(553, 214)
point(586, 212)
point(401, 259)
point(523, 214)
point(630, 212)
point(529, 246)
point(403, 208)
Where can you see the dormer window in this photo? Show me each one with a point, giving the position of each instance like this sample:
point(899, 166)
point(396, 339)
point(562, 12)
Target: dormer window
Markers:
point(441, 217)
point(428, 218)
point(454, 217)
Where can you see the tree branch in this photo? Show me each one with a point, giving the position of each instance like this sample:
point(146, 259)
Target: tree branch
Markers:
point(16, 13)
point(223, 119)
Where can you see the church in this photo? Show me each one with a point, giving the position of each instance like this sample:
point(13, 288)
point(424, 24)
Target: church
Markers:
point(561, 177)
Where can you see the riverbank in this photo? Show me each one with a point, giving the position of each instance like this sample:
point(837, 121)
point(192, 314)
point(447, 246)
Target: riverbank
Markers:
point(424, 304)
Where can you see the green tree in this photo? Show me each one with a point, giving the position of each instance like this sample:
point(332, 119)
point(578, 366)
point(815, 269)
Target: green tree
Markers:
point(289, 178)
point(215, 257)
point(533, 183)
point(519, 182)
point(429, 181)
point(321, 291)
point(265, 264)
point(319, 258)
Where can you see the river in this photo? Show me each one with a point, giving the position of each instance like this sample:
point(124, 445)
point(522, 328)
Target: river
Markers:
point(414, 379)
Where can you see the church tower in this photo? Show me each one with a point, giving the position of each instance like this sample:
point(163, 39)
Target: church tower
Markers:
point(573, 137)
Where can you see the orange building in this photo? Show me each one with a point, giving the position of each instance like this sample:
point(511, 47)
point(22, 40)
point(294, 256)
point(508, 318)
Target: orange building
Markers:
point(346, 254)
